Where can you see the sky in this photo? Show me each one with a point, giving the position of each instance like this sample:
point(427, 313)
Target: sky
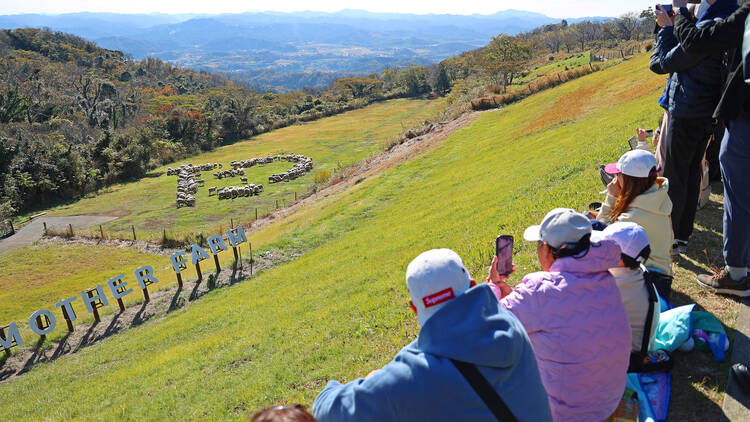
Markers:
point(553, 8)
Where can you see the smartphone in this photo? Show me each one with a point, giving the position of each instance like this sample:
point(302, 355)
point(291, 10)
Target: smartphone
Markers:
point(667, 8)
point(504, 252)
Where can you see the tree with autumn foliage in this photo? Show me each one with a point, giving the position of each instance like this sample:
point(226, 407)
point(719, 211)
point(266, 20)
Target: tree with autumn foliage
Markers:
point(505, 58)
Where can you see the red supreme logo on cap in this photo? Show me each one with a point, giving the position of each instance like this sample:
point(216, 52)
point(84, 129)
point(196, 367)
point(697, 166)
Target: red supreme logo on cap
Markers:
point(438, 298)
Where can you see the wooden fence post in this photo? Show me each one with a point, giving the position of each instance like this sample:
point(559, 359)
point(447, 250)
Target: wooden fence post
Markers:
point(133, 229)
point(70, 226)
point(101, 231)
point(250, 245)
point(45, 227)
point(295, 196)
point(12, 229)
point(256, 213)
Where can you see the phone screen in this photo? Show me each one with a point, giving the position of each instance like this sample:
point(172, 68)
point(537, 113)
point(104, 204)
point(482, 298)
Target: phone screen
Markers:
point(667, 8)
point(504, 252)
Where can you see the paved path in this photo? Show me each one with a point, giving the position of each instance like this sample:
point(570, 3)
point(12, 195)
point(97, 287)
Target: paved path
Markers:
point(34, 230)
point(736, 405)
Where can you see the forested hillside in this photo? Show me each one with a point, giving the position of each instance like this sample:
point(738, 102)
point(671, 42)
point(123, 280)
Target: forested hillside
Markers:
point(75, 117)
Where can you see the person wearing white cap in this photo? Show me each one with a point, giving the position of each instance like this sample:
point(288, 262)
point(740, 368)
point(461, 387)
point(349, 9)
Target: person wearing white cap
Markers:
point(472, 359)
point(629, 276)
point(638, 195)
point(574, 316)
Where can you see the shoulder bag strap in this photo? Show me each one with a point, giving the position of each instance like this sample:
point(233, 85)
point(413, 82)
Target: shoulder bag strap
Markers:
point(485, 391)
point(653, 299)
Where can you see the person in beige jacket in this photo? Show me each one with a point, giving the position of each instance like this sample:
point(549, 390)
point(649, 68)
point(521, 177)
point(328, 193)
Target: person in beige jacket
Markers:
point(639, 196)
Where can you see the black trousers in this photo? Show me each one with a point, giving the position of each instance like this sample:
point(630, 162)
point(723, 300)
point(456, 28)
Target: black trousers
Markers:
point(682, 166)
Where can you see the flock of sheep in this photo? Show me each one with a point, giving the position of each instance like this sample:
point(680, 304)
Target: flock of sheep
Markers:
point(188, 180)
point(232, 192)
point(195, 169)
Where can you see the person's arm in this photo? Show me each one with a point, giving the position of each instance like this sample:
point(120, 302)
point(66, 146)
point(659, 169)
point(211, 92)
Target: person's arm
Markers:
point(669, 57)
point(359, 400)
point(721, 36)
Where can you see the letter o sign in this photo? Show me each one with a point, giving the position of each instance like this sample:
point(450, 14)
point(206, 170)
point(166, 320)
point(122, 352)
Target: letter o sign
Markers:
point(38, 330)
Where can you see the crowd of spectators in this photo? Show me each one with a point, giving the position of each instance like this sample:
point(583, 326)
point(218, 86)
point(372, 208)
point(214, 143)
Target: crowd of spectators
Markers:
point(559, 345)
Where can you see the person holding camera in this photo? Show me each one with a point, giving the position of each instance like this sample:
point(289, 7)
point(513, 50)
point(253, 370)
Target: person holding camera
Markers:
point(729, 36)
point(574, 316)
point(693, 93)
point(472, 359)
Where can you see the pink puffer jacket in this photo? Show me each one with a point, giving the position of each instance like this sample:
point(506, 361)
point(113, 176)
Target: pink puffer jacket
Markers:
point(579, 331)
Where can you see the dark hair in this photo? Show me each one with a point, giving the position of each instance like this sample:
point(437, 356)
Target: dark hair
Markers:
point(296, 413)
point(634, 263)
point(630, 189)
point(572, 249)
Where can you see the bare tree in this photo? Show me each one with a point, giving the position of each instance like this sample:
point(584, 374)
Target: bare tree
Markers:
point(627, 25)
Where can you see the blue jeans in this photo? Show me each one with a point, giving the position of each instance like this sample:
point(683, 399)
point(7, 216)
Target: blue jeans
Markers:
point(735, 169)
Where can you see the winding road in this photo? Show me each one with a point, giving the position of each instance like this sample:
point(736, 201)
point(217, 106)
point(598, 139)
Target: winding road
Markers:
point(34, 230)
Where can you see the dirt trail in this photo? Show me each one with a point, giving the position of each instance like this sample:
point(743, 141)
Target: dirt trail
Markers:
point(34, 230)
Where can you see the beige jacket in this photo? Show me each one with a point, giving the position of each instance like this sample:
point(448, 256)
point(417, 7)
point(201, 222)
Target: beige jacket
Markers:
point(634, 294)
point(652, 210)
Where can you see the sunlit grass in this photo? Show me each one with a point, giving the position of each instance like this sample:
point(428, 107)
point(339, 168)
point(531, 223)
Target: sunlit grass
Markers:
point(333, 143)
point(340, 310)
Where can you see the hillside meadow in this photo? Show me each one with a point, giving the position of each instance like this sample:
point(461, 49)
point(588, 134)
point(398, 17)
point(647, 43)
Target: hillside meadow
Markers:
point(340, 310)
point(333, 143)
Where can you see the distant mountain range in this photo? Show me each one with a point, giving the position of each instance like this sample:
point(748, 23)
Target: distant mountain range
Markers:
point(275, 50)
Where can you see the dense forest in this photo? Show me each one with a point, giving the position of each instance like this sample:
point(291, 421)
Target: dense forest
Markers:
point(75, 117)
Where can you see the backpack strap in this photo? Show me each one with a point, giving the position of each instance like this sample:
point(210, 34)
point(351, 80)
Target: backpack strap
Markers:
point(484, 389)
point(653, 299)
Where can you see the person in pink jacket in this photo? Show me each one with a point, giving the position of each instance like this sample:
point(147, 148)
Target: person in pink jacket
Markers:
point(574, 316)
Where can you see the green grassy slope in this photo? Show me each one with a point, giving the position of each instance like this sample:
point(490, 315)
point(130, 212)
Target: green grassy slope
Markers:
point(149, 204)
point(340, 310)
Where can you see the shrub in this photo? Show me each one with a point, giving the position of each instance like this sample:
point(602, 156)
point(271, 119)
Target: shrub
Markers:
point(321, 177)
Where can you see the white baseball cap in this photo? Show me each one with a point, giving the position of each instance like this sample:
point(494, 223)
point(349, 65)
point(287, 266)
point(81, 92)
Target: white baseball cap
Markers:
point(636, 163)
point(434, 278)
point(631, 238)
point(560, 226)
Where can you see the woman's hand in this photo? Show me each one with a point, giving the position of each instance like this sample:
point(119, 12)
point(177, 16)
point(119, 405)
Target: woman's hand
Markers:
point(657, 137)
point(499, 279)
point(662, 18)
point(642, 135)
point(613, 188)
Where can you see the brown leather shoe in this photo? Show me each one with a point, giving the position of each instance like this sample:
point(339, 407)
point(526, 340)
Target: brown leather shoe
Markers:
point(721, 282)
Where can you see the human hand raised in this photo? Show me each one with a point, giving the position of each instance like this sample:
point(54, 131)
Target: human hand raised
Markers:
point(662, 18)
point(613, 188)
point(499, 279)
point(642, 135)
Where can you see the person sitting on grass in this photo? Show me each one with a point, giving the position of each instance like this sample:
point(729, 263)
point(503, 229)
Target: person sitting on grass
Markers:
point(574, 316)
point(637, 195)
point(467, 345)
point(634, 290)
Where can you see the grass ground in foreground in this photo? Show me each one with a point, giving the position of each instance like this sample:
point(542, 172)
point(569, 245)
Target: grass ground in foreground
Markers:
point(340, 310)
point(333, 142)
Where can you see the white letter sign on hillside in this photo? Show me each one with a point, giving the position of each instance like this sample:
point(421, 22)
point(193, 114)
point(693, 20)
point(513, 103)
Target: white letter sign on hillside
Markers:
point(198, 254)
point(43, 322)
point(117, 283)
point(12, 336)
point(65, 303)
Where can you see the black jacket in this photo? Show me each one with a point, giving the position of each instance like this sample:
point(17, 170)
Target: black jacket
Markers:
point(695, 86)
point(722, 36)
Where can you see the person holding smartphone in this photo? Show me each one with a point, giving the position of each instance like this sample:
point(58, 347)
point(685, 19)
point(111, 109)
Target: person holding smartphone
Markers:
point(692, 95)
point(574, 316)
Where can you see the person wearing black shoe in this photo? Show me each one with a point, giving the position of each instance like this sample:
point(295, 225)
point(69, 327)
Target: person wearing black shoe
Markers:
point(734, 109)
point(742, 376)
